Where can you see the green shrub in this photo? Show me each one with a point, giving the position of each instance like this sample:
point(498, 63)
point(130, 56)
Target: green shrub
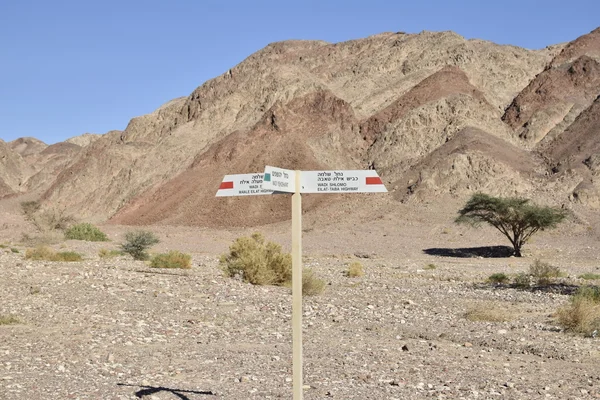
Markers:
point(68, 256)
point(544, 273)
point(85, 231)
point(257, 262)
point(47, 254)
point(311, 284)
point(430, 266)
point(498, 278)
point(14, 249)
point(355, 270)
point(172, 259)
point(582, 314)
point(137, 242)
point(590, 276)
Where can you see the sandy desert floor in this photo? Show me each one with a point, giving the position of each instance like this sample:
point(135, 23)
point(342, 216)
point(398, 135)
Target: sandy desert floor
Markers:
point(118, 329)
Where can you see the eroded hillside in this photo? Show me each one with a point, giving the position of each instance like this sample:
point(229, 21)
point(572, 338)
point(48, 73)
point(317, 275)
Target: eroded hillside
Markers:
point(434, 113)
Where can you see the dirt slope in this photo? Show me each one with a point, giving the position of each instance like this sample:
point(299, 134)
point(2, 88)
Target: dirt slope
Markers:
point(473, 160)
point(554, 99)
point(575, 156)
point(27, 146)
point(13, 170)
point(368, 74)
point(311, 132)
point(584, 45)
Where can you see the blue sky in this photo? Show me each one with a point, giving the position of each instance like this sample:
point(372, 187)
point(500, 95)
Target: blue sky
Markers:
point(68, 67)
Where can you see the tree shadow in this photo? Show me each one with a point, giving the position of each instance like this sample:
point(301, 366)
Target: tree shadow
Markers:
point(179, 393)
point(472, 252)
point(551, 287)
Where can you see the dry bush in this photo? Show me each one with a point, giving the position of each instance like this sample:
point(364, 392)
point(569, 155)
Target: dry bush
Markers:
point(488, 312)
point(430, 266)
point(543, 273)
point(46, 220)
point(172, 259)
point(311, 284)
point(582, 314)
point(30, 208)
point(589, 276)
point(47, 254)
point(105, 253)
point(522, 281)
point(257, 262)
point(355, 270)
point(9, 320)
point(44, 239)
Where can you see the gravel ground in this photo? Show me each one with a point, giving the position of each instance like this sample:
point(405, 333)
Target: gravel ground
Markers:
point(118, 329)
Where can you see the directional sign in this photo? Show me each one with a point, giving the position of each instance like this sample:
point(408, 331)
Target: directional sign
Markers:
point(279, 179)
point(357, 181)
point(242, 185)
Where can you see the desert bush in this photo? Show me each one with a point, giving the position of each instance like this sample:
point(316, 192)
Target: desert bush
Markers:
point(355, 270)
point(257, 261)
point(14, 250)
point(172, 259)
point(105, 253)
point(47, 254)
point(543, 273)
point(590, 276)
point(498, 277)
point(9, 320)
point(582, 314)
point(68, 256)
point(311, 284)
point(522, 281)
point(46, 220)
point(30, 208)
point(85, 231)
point(430, 266)
point(43, 239)
point(488, 313)
point(137, 242)
point(40, 253)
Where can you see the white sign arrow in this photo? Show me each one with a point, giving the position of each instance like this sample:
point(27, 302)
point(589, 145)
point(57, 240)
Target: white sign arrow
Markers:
point(349, 181)
point(242, 185)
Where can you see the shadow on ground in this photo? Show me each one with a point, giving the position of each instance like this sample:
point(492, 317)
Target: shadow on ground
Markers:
point(179, 393)
point(471, 252)
point(555, 288)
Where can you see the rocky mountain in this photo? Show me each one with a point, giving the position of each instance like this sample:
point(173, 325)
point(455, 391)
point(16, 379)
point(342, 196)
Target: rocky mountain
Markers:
point(436, 114)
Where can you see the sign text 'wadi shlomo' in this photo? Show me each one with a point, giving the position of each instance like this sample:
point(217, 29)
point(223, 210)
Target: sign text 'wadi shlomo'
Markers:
point(279, 180)
point(356, 181)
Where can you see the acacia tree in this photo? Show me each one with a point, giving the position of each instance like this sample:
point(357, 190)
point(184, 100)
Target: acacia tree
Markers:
point(515, 217)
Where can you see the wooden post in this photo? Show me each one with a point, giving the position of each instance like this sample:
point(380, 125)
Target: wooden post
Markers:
point(297, 290)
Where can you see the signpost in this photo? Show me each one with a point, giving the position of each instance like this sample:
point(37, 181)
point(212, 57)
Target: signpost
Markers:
point(297, 182)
